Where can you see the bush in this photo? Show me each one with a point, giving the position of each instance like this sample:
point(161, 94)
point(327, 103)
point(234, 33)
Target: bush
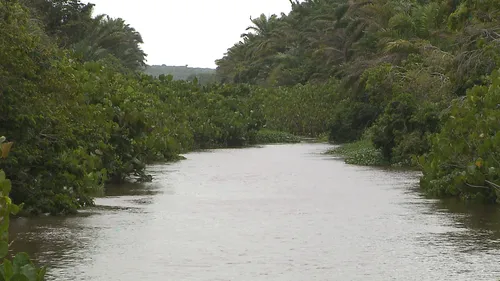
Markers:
point(96, 123)
point(303, 110)
point(269, 136)
point(464, 156)
point(21, 267)
point(360, 153)
point(350, 119)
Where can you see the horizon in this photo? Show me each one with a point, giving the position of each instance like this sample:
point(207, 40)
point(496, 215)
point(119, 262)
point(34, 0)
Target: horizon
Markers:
point(155, 16)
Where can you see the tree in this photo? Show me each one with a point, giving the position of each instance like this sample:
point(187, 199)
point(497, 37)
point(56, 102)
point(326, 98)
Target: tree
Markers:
point(66, 20)
point(71, 23)
point(112, 37)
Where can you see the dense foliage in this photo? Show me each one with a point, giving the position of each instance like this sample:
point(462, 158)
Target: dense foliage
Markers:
point(266, 136)
point(82, 114)
point(70, 24)
point(80, 122)
point(20, 267)
point(360, 153)
point(74, 99)
point(204, 76)
point(465, 159)
point(382, 70)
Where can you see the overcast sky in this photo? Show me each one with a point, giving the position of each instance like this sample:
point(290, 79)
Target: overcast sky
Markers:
point(192, 32)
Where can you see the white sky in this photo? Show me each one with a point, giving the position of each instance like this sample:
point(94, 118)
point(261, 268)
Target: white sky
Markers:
point(192, 32)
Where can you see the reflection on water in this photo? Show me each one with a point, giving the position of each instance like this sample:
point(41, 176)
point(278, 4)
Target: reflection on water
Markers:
point(281, 212)
point(480, 225)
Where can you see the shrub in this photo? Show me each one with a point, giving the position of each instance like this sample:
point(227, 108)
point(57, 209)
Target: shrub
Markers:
point(270, 136)
point(20, 267)
point(360, 153)
point(464, 159)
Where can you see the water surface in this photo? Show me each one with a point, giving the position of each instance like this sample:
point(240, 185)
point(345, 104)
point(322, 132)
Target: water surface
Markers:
point(279, 212)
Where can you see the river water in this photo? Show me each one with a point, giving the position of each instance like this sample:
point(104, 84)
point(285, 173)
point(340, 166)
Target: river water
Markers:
point(277, 212)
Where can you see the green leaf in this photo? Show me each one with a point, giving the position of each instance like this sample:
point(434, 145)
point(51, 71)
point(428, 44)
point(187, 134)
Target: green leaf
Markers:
point(29, 271)
point(14, 209)
point(41, 274)
point(20, 260)
point(7, 269)
point(4, 248)
point(4, 227)
point(19, 277)
point(6, 187)
point(471, 169)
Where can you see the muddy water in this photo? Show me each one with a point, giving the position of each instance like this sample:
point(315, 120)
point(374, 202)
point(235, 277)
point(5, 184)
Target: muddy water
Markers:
point(280, 212)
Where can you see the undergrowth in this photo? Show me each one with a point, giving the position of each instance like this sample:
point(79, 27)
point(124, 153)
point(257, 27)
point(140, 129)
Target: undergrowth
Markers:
point(267, 136)
point(360, 153)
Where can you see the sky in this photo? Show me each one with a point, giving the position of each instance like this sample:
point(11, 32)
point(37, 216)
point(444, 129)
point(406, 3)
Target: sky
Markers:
point(189, 32)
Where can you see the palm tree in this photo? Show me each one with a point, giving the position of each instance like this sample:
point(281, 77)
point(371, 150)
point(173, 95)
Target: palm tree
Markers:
point(114, 37)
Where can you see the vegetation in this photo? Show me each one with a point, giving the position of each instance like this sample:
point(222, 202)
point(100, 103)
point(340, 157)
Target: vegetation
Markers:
point(266, 136)
point(386, 72)
point(465, 157)
point(301, 110)
point(98, 119)
point(204, 76)
point(82, 113)
point(360, 153)
point(20, 267)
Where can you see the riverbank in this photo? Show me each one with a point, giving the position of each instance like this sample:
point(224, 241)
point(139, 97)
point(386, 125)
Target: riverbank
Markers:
point(100, 119)
point(261, 137)
point(266, 136)
point(361, 153)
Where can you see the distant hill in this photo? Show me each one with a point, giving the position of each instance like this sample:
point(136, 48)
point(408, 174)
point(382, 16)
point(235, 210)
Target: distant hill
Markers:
point(204, 75)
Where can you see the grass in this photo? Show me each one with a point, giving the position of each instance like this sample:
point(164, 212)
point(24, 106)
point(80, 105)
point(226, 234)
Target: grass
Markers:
point(360, 153)
point(267, 136)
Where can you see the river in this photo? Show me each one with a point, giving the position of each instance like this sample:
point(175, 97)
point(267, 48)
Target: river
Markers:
point(277, 212)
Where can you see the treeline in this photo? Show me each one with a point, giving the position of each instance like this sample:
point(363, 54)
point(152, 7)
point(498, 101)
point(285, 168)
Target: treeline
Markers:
point(203, 76)
point(81, 113)
point(416, 79)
